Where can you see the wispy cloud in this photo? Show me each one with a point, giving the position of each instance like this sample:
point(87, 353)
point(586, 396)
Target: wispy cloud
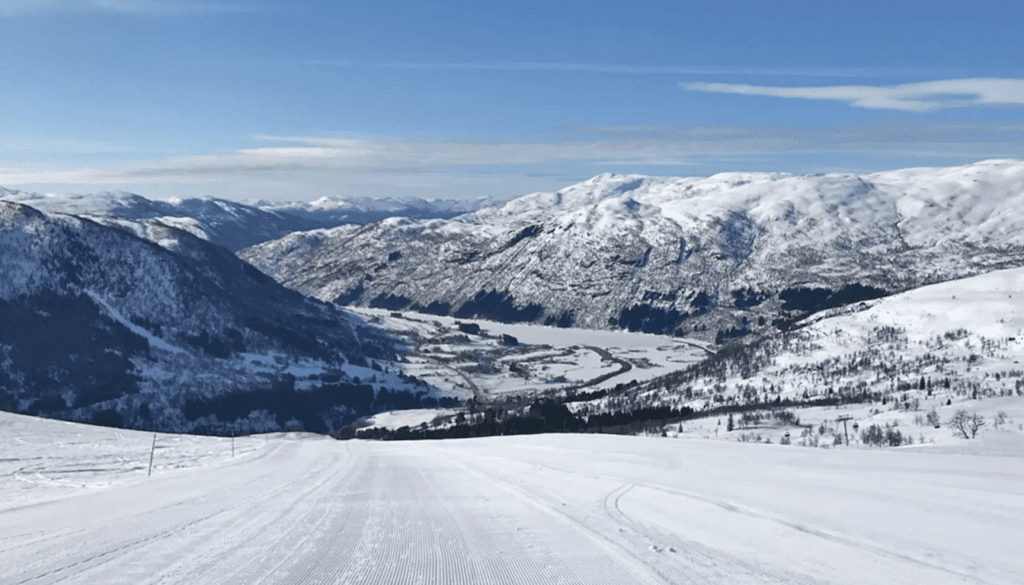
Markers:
point(912, 97)
point(651, 146)
point(137, 7)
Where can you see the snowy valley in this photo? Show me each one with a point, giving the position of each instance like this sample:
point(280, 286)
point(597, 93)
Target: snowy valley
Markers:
point(196, 340)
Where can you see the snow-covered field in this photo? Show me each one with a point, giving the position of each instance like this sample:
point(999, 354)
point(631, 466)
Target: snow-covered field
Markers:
point(76, 507)
point(818, 426)
point(548, 358)
point(397, 419)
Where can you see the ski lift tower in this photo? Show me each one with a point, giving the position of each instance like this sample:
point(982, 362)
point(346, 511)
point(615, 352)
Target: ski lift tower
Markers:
point(843, 418)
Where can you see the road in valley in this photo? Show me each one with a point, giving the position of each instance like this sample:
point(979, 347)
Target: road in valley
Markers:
point(541, 509)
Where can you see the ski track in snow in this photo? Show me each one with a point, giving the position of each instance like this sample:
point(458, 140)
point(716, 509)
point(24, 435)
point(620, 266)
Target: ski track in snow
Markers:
point(530, 510)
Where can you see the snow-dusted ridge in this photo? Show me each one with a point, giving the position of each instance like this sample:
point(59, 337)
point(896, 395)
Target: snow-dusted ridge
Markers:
point(713, 257)
point(233, 224)
point(362, 210)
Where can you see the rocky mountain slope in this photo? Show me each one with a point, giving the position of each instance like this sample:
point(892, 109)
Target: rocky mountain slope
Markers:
point(714, 257)
point(175, 333)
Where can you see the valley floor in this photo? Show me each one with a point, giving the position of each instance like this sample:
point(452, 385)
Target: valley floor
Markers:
point(536, 509)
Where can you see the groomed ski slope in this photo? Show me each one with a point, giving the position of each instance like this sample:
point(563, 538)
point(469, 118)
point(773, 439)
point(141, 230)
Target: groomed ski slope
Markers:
point(524, 510)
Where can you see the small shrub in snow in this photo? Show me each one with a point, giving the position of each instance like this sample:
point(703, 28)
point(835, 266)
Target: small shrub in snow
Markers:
point(872, 435)
point(808, 438)
point(889, 436)
point(787, 417)
point(999, 420)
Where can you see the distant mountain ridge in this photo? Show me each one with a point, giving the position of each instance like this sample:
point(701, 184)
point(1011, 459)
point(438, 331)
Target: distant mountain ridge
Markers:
point(332, 211)
point(232, 224)
point(714, 257)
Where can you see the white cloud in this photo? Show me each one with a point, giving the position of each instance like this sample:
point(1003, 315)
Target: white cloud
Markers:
point(299, 164)
point(912, 97)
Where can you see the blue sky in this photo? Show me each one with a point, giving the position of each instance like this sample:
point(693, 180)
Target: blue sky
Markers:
point(296, 100)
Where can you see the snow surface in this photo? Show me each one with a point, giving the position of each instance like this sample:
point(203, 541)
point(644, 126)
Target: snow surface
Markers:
point(818, 426)
point(397, 419)
point(988, 305)
point(537, 509)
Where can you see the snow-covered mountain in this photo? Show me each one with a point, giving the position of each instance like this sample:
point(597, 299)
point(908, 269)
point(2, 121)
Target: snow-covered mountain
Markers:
point(713, 257)
point(227, 223)
point(363, 210)
point(232, 224)
point(169, 331)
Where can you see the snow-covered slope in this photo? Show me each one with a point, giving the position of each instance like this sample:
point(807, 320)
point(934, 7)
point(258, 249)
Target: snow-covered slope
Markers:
point(714, 257)
point(959, 341)
point(99, 324)
point(525, 510)
point(989, 305)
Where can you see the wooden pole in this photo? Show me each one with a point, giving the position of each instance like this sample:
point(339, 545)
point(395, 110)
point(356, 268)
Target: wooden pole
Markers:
point(152, 450)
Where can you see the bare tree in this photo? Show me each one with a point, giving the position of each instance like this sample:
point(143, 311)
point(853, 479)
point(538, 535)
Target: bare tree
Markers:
point(966, 424)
